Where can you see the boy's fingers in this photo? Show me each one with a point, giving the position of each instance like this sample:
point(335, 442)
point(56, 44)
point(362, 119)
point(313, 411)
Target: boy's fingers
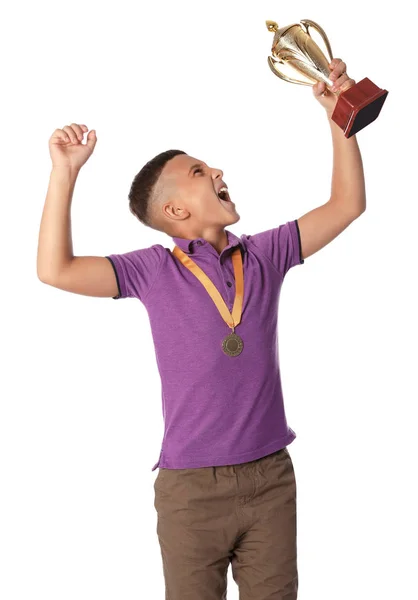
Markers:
point(340, 69)
point(78, 131)
point(61, 135)
point(71, 133)
point(334, 62)
point(338, 82)
point(347, 84)
point(319, 88)
point(91, 139)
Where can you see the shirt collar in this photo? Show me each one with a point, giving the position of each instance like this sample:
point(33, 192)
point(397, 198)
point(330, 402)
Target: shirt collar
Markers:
point(190, 246)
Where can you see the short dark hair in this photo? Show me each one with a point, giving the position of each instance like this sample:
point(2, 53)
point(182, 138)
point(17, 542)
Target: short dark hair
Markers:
point(143, 185)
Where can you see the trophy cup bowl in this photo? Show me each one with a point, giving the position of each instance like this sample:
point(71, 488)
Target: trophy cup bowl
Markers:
point(294, 47)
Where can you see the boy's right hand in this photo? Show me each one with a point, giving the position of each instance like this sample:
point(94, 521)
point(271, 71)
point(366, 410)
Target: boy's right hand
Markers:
point(66, 147)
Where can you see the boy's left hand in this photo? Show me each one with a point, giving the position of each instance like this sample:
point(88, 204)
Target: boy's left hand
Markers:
point(341, 83)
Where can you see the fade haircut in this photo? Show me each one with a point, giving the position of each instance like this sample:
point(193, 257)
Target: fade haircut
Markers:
point(143, 189)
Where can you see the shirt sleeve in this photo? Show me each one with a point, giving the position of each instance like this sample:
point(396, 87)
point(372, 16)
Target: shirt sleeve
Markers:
point(136, 271)
point(281, 245)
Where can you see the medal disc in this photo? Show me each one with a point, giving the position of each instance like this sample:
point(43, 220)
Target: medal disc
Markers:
point(232, 344)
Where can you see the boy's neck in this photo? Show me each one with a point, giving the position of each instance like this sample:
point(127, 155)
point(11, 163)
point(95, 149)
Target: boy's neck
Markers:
point(218, 239)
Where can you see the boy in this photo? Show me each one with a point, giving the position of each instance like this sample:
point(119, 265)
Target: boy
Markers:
point(225, 490)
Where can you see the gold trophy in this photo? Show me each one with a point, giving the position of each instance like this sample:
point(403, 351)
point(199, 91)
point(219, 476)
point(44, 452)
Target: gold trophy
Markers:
point(293, 47)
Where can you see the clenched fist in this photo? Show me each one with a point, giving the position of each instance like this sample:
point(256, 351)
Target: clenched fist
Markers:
point(67, 149)
point(341, 83)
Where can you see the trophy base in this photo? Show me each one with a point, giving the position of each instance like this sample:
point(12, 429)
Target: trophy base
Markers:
point(358, 106)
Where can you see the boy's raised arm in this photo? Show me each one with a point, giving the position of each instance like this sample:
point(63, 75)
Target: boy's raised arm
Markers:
point(56, 264)
point(347, 201)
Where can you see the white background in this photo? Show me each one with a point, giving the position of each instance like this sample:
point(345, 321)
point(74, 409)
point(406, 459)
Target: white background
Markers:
point(81, 419)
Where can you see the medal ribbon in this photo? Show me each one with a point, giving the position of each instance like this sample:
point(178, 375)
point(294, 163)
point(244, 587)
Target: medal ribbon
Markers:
point(231, 320)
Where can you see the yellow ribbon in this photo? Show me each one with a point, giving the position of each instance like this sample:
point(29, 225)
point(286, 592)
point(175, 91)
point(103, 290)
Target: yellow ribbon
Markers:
point(232, 320)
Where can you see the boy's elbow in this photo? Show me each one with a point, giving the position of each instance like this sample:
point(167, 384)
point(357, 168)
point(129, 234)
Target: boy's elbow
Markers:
point(43, 278)
point(360, 210)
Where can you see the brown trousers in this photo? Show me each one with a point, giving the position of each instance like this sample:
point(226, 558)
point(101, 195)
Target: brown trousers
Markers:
point(241, 514)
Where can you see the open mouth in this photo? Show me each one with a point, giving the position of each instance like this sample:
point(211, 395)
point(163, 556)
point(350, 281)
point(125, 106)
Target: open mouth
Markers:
point(223, 194)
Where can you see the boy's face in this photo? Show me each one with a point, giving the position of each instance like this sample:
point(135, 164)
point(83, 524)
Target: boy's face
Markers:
point(193, 194)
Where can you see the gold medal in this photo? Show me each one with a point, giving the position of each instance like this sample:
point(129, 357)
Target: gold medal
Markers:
point(232, 344)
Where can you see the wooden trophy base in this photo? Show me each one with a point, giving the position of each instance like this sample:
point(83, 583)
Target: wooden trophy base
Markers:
point(358, 106)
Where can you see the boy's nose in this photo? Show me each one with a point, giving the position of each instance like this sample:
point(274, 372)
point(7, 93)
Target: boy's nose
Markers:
point(216, 173)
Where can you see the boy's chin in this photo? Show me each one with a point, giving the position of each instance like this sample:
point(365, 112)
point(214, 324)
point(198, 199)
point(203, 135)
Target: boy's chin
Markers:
point(231, 218)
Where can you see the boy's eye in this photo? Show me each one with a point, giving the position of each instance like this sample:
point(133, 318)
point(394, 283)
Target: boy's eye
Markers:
point(198, 169)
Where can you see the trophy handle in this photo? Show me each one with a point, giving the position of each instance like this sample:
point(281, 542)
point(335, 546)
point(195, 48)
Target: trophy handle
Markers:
point(308, 23)
point(273, 66)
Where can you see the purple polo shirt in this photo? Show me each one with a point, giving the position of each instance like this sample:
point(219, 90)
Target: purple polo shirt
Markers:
point(217, 409)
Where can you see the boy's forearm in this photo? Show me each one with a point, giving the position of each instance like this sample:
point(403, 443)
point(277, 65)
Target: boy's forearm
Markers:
point(55, 248)
point(348, 185)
